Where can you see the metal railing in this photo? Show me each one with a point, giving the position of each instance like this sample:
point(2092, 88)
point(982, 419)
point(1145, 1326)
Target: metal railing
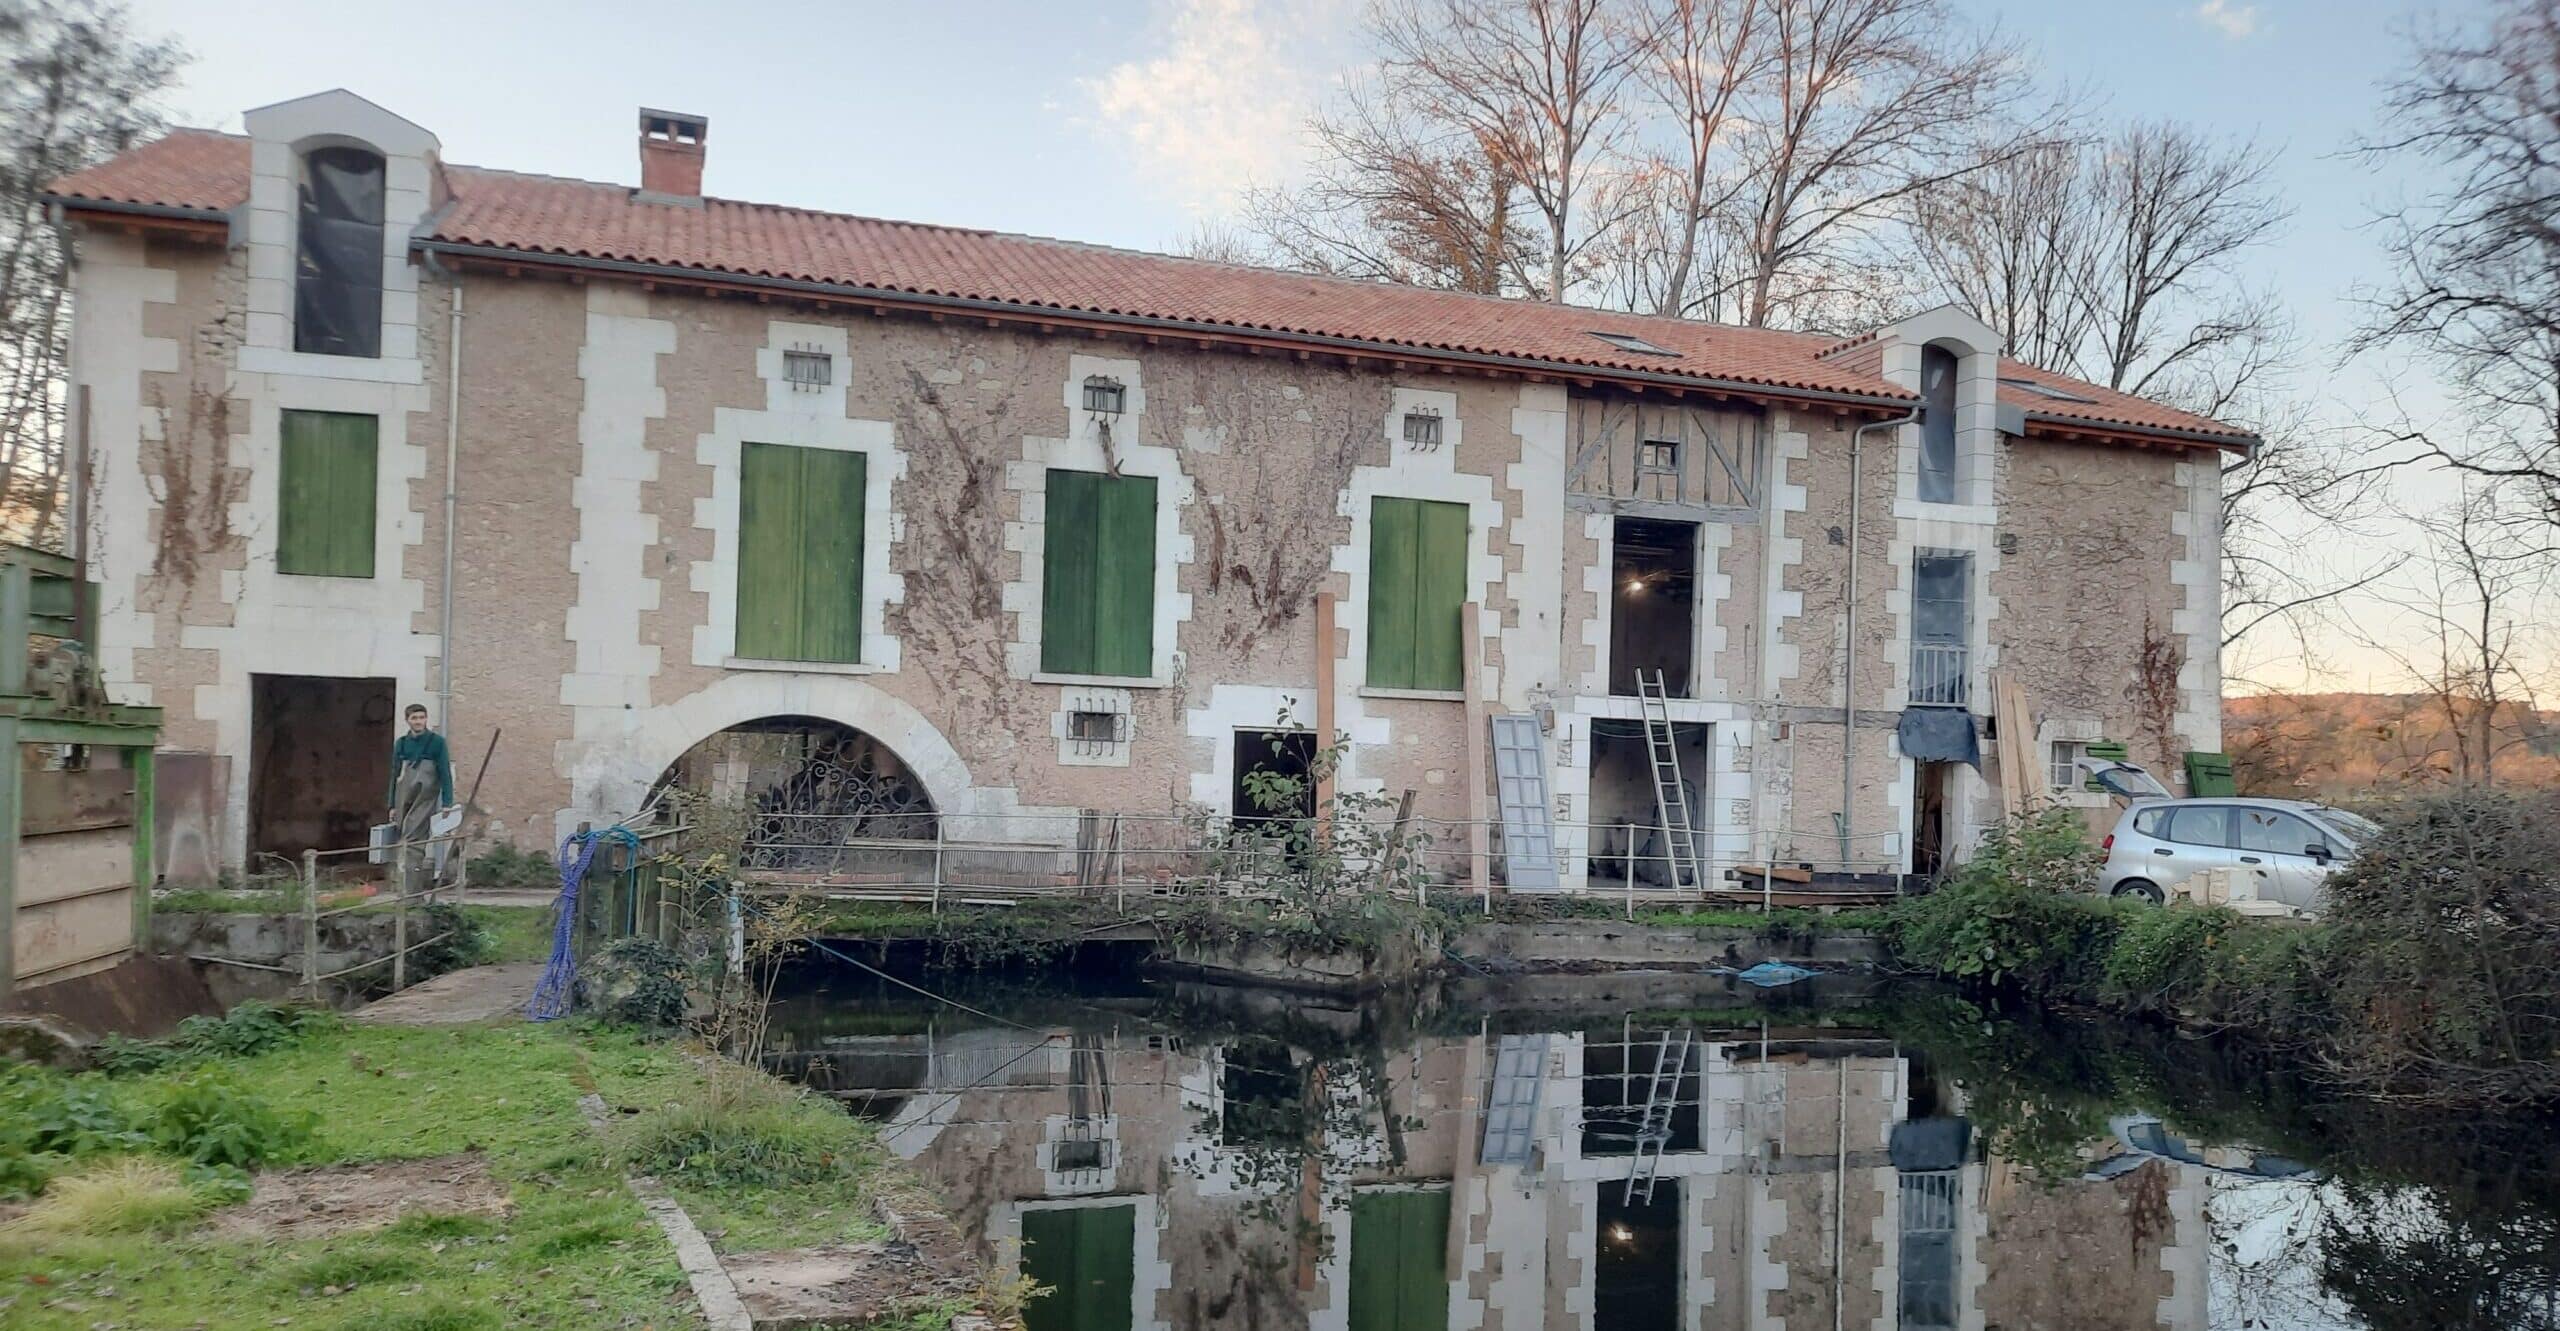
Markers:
point(1940, 675)
point(1005, 858)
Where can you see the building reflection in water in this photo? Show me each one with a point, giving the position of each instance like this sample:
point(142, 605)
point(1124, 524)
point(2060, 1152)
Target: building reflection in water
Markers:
point(1616, 1176)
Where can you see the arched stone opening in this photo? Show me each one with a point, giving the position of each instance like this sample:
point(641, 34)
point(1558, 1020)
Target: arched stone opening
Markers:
point(817, 792)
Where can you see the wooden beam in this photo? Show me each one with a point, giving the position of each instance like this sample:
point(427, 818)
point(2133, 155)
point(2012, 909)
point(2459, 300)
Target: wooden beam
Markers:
point(1324, 691)
point(1471, 657)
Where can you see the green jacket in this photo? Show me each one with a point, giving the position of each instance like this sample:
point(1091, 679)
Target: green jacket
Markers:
point(428, 747)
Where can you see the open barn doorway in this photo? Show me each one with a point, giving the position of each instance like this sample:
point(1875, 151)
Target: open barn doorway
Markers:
point(319, 762)
point(1653, 610)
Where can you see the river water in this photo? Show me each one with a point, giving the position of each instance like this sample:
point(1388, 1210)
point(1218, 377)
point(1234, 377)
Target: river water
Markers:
point(1635, 1151)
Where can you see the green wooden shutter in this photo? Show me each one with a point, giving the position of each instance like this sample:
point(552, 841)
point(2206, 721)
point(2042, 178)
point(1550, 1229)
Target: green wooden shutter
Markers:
point(1087, 1256)
point(325, 492)
point(1417, 589)
point(769, 581)
point(1070, 563)
point(1098, 575)
point(1399, 1260)
point(800, 530)
point(1124, 612)
point(831, 499)
point(1440, 597)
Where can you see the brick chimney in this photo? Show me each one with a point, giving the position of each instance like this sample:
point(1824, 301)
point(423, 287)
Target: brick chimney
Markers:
point(671, 154)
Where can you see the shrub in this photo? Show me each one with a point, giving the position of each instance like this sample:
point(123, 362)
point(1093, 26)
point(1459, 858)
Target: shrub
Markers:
point(744, 1129)
point(507, 867)
point(2445, 951)
point(126, 1195)
point(2018, 915)
point(636, 981)
point(206, 1117)
point(252, 1028)
point(48, 1120)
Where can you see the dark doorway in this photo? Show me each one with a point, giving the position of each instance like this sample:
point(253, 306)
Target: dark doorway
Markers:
point(319, 762)
point(1284, 753)
point(1262, 1097)
point(1622, 1070)
point(1637, 1285)
point(1929, 819)
point(1653, 609)
point(1626, 817)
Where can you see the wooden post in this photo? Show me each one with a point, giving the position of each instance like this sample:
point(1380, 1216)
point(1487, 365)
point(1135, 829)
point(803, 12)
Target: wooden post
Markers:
point(1395, 842)
point(1470, 682)
point(13, 786)
point(1324, 702)
point(938, 845)
point(400, 939)
point(311, 925)
point(1110, 857)
point(146, 840)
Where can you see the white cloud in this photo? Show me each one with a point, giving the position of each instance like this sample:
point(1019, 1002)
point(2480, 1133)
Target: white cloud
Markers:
point(2237, 22)
point(1223, 102)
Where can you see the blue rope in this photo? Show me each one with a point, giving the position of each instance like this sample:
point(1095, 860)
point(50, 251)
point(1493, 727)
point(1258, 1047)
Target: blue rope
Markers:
point(556, 991)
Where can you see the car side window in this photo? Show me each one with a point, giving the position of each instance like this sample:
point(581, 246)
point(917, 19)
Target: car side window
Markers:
point(2201, 824)
point(2148, 822)
point(2275, 832)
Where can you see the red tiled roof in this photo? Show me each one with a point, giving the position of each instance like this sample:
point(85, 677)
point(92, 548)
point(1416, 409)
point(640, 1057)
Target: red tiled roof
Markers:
point(577, 220)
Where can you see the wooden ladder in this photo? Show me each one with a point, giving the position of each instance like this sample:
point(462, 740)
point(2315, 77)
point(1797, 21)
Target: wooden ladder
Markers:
point(1679, 837)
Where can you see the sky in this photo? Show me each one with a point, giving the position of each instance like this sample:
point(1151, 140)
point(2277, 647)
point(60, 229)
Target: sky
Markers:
point(1131, 122)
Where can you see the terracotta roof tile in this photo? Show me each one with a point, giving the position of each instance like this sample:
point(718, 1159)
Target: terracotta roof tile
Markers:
point(544, 215)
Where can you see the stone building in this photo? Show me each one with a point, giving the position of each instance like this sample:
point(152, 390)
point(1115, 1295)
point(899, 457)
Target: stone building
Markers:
point(988, 530)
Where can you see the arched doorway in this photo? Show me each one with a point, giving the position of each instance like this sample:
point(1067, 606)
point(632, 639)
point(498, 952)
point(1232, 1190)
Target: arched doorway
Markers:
point(821, 794)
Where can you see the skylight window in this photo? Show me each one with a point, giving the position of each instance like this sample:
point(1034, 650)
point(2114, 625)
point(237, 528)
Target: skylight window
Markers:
point(1631, 342)
point(2045, 390)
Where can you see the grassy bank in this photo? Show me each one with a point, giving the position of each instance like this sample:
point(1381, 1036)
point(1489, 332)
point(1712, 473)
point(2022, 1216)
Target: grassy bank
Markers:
point(135, 1206)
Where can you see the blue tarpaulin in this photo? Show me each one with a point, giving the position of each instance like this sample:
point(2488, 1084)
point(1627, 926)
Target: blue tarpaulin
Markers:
point(1940, 735)
point(1770, 974)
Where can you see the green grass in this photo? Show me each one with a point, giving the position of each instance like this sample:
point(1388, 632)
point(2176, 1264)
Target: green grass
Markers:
point(576, 1252)
point(513, 933)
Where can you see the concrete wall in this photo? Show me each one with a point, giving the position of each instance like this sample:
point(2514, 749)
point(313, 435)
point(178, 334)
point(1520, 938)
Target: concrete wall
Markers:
point(595, 557)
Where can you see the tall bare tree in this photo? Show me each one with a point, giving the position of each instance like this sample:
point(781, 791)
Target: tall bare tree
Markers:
point(1395, 198)
point(2476, 291)
point(1698, 60)
point(76, 86)
point(1535, 86)
point(1861, 106)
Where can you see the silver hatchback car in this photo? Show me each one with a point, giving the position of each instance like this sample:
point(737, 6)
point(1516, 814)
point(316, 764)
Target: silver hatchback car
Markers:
point(2291, 845)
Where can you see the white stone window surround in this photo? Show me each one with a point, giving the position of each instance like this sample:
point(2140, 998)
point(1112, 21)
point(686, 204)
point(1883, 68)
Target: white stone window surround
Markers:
point(1057, 1130)
point(280, 136)
point(2052, 730)
point(1433, 476)
point(1977, 352)
point(289, 624)
point(1125, 453)
point(796, 416)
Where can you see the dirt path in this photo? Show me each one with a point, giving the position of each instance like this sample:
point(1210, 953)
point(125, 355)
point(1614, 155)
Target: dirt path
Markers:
point(459, 998)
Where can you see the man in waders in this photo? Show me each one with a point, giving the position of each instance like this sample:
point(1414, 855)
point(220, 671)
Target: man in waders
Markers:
point(421, 784)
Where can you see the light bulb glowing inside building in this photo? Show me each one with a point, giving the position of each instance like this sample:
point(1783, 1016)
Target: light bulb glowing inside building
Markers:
point(1621, 1234)
point(1634, 585)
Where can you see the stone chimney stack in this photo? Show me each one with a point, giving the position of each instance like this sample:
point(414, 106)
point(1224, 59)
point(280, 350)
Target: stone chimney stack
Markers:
point(671, 154)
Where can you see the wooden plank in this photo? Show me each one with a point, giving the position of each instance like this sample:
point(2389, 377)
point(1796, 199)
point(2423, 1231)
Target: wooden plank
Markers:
point(54, 935)
point(69, 864)
point(75, 801)
point(1784, 873)
point(1324, 702)
point(1470, 674)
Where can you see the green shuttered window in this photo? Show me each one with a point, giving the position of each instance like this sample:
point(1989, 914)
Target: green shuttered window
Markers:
point(1417, 588)
point(1098, 580)
point(325, 494)
point(1399, 1271)
point(799, 554)
point(1087, 1256)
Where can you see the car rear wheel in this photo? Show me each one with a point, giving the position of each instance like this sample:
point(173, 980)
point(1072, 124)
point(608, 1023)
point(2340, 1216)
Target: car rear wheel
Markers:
point(2141, 889)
